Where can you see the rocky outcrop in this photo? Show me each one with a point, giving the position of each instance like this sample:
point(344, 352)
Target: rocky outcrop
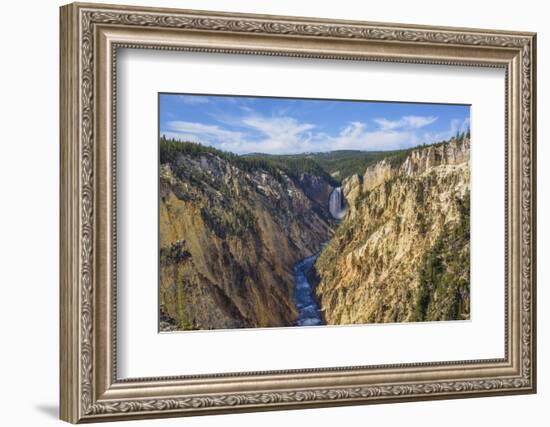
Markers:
point(315, 187)
point(454, 152)
point(230, 235)
point(402, 253)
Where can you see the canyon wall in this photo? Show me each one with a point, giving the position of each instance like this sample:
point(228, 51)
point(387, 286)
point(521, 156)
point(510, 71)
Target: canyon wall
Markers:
point(403, 251)
point(230, 234)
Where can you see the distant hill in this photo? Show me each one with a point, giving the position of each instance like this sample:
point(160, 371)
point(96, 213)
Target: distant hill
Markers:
point(333, 166)
point(340, 164)
point(293, 166)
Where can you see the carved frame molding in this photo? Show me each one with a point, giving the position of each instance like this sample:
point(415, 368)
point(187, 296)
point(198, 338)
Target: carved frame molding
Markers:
point(90, 390)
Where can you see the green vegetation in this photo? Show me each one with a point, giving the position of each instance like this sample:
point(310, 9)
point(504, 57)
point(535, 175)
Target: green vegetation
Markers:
point(342, 163)
point(361, 197)
point(175, 253)
point(180, 301)
point(238, 220)
point(176, 256)
point(444, 289)
point(293, 166)
point(171, 148)
point(333, 166)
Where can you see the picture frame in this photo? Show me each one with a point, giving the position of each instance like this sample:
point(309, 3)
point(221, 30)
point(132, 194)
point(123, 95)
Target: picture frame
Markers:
point(91, 36)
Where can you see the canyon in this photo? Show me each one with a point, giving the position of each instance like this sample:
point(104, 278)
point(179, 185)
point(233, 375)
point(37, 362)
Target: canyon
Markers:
point(271, 241)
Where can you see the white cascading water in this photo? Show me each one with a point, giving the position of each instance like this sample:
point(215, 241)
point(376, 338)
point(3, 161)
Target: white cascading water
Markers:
point(336, 204)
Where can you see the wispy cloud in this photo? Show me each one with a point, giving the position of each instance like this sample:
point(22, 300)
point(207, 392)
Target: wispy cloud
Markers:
point(357, 136)
point(277, 135)
point(213, 135)
point(193, 99)
point(455, 126)
point(280, 134)
point(407, 122)
point(202, 129)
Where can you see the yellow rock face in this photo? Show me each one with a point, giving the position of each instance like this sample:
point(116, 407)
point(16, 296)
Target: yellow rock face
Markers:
point(375, 268)
point(229, 239)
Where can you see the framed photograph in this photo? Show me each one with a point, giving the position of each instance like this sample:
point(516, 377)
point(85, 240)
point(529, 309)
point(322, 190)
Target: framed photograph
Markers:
point(266, 212)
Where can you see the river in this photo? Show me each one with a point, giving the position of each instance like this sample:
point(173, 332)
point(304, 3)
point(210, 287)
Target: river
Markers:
point(309, 312)
point(306, 302)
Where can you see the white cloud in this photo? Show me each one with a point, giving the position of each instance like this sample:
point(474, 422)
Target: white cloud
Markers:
point(353, 130)
point(455, 126)
point(212, 135)
point(281, 134)
point(202, 129)
point(355, 136)
point(388, 124)
point(286, 135)
point(406, 122)
point(465, 125)
point(276, 127)
point(417, 122)
point(246, 109)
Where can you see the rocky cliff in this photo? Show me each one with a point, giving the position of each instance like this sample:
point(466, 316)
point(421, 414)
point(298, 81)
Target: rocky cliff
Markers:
point(231, 231)
point(403, 251)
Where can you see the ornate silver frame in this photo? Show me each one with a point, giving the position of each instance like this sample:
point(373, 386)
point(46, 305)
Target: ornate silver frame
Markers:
point(90, 36)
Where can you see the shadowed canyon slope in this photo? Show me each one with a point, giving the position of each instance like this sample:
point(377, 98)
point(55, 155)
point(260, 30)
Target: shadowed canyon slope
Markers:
point(403, 251)
point(231, 230)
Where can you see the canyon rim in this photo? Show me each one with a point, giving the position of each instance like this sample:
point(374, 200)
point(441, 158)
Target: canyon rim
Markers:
point(279, 212)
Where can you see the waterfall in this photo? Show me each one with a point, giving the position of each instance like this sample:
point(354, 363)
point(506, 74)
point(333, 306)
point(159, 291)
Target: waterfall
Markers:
point(337, 204)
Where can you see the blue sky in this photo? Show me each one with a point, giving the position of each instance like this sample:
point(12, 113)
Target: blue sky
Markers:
point(288, 126)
